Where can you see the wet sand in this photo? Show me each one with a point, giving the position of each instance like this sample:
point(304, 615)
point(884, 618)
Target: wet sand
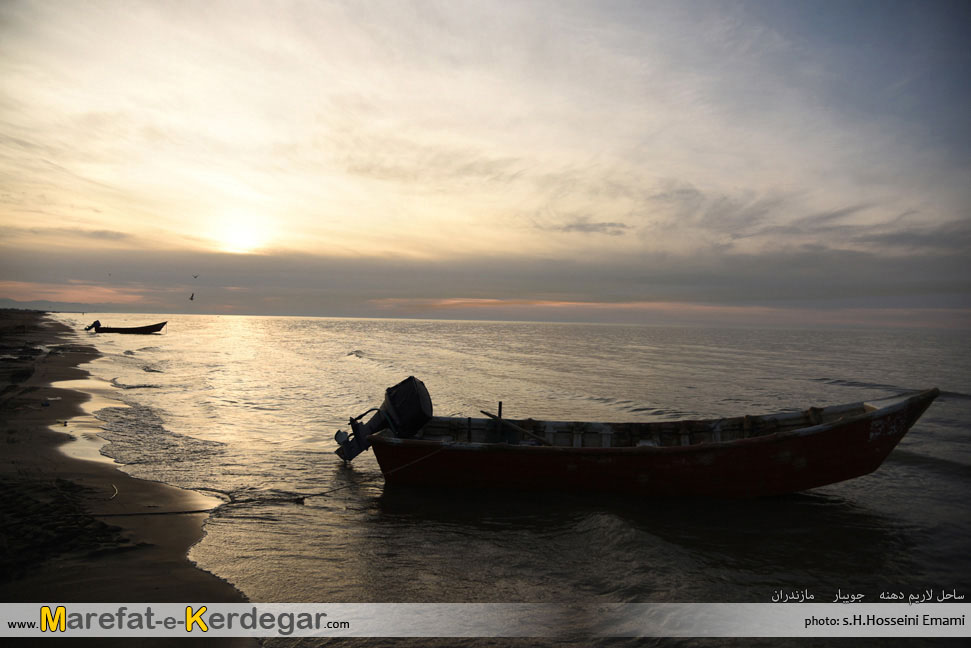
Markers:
point(75, 528)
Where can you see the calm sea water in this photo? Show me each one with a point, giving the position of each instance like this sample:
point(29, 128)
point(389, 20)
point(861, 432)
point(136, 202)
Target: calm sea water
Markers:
point(246, 408)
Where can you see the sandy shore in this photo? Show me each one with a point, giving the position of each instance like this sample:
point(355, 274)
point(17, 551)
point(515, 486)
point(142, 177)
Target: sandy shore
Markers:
point(74, 530)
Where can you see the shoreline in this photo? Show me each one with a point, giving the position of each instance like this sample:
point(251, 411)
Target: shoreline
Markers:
point(73, 529)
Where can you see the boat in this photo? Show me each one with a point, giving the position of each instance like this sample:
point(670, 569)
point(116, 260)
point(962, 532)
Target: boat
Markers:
point(135, 330)
point(738, 456)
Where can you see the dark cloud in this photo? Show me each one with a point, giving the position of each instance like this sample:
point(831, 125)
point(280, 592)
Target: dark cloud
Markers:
point(952, 237)
point(314, 285)
point(740, 216)
point(880, 230)
point(677, 192)
point(40, 234)
point(584, 225)
point(825, 219)
point(103, 235)
point(894, 237)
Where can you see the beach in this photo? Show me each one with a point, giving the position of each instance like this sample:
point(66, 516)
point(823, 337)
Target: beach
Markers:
point(245, 408)
point(76, 530)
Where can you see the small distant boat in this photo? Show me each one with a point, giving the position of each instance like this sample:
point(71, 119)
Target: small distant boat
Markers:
point(742, 456)
point(135, 330)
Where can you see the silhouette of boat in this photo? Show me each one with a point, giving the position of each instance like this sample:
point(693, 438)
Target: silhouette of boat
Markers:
point(742, 456)
point(136, 330)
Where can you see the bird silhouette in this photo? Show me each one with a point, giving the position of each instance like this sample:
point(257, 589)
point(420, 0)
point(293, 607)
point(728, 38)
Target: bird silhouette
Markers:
point(192, 296)
point(195, 276)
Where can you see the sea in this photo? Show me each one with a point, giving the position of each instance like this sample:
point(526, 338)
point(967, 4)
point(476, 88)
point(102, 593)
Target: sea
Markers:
point(246, 408)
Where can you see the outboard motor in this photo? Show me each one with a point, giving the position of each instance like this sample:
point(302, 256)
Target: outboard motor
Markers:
point(406, 408)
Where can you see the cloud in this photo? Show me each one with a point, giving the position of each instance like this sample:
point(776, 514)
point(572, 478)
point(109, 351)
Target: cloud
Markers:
point(41, 234)
point(948, 238)
point(826, 220)
point(637, 152)
point(74, 292)
point(425, 166)
point(583, 225)
point(900, 235)
point(683, 313)
point(797, 278)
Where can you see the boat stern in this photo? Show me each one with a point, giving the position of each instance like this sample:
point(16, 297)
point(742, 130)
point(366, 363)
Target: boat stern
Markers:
point(407, 407)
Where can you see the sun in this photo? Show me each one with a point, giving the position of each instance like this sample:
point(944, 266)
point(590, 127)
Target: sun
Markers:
point(242, 235)
point(240, 241)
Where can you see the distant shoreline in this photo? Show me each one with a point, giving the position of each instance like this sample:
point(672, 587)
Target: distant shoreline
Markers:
point(76, 530)
point(960, 324)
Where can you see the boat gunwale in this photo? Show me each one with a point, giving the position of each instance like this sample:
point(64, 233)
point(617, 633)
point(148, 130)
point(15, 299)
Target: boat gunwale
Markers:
point(900, 402)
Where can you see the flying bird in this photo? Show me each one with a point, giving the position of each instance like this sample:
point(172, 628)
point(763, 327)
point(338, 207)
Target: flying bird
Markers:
point(195, 276)
point(192, 296)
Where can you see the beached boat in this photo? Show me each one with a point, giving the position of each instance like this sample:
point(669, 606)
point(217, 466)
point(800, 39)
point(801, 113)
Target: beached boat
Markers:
point(742, 456)
point(135, 330)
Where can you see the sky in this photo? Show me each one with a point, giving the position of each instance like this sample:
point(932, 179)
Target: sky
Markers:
point(678, 163)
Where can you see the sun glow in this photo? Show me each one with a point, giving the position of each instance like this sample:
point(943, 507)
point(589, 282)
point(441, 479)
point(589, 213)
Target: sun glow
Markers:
point(241, 235)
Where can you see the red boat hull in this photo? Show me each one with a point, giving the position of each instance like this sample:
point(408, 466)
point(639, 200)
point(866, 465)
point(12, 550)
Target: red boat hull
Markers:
point(773, 464)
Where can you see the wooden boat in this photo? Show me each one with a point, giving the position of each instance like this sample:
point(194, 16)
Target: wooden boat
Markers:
point(135, 330)
point(743, 456)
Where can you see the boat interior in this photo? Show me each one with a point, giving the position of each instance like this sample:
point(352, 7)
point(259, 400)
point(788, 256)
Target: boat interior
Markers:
point(620, 435)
